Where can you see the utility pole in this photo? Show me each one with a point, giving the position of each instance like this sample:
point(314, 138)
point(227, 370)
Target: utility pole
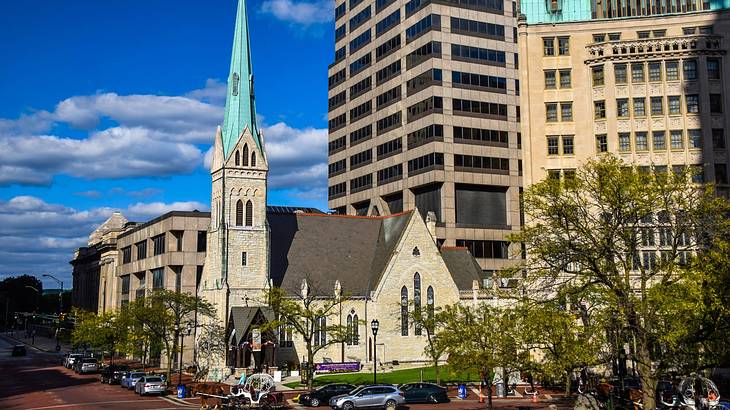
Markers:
point(60, 309)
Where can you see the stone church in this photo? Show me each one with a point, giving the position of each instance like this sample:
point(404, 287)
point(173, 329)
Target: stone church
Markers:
point(384, 264)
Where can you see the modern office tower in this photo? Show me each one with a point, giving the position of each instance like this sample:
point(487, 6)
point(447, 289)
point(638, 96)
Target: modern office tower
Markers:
point(645, 81)
point(424, 113)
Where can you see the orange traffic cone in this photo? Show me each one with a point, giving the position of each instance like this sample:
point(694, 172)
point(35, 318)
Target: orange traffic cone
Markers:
point(534, 398)
point(481, 397)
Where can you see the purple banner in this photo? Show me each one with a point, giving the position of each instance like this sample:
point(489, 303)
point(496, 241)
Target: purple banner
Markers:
point(337, 367)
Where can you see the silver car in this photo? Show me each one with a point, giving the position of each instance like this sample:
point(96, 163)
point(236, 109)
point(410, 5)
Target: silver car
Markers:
point(88, 365)
point(149, 384)
point(381, 396)
point(131, 378)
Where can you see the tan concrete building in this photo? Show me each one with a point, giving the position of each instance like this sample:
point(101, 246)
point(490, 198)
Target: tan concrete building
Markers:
point(651, 89)
point(167, 252)
point(94, 267)
point(424, 113)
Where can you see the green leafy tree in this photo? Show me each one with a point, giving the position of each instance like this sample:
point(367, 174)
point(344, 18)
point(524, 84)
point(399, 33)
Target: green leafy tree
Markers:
point(559, 339)
point(157, 315)
point(431, 322)
point(106, 331)
point(612, 235)
point(481, 339)
point(303, 313)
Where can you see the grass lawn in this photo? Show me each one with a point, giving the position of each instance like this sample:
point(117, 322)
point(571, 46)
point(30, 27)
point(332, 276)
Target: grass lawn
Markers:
point(448, 375)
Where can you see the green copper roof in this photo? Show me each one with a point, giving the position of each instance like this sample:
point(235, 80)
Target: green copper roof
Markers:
point(240, 107)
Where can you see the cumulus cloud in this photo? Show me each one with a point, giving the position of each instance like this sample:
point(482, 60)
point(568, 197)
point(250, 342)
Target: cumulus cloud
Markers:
point(297, 157)
point(38, 237)
point(299, 12)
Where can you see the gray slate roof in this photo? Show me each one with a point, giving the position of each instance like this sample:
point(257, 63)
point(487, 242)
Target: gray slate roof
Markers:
point(463, 267)
point(242, 316)
point(325, 248)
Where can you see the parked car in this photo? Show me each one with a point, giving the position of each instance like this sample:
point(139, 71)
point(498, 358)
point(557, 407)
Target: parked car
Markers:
point(383, 396)
point(149, 384)
point(87, 365)
point(18, 350)
point(113, 374)
point(70, 359)
point(324, 394)
point(424, 393)
point(130, 379)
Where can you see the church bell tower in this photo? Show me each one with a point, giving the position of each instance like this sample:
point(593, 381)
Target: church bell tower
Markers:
point(236, 263)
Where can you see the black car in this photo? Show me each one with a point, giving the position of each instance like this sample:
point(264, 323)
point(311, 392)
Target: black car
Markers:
point(113, 374)
point(18, 350)
point(424, 393)
point(324, 394)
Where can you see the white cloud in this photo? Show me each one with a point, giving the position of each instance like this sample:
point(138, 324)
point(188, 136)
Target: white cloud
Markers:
point(299, 12)
point(38, 237)
point(214, 92)
point(297, 157)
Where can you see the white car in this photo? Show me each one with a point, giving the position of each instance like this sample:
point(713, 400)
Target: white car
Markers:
point(150, 384)
point(68, 362)
point(131, 378)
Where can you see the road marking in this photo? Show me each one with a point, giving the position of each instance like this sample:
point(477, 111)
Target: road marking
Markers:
point(83, 404)
point(176, 401)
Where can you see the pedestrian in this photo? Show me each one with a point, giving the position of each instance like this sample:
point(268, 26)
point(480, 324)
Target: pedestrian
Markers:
point(242, 380)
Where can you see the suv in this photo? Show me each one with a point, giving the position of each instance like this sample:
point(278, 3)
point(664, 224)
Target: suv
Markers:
point(383, 396)
point(87, 365)
point(113, 374)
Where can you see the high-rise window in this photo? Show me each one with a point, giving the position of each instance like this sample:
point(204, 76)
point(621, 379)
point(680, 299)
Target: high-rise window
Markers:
point(659, 140)
point(202, 241)
point(713, 68)
point(141, 249)
point(568, 146)
point(721, 173)
point(550, 82)
point(601, 143)
point(671, 69)
point(716, 103)
point(548, 46)
point(566, 111)
point(642, 144)
point(597, 75)
point(485, 249)
point(599, 109)
point(624, 142)
point(690, 69)
point(553, 145)
point(693, 104)
point(718, 138)
point(657, 105)
point(564, 46)
point(676, 139)
point(695, 138)
point(639, 107)
point(655, 71)
point(127, 254)
point(622, 107)
point(565, 80)
point(158, 278)
point(674, 104)
point(637, 72)
point(551, 112)
point(159, 244)
point(620, 74)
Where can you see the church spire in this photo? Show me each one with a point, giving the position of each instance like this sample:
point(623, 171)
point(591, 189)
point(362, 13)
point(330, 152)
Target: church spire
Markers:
point(240, 107)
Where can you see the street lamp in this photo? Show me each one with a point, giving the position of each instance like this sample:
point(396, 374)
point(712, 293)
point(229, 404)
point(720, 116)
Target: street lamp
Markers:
point(374, 325)
point(188, 330)
point(60, 309)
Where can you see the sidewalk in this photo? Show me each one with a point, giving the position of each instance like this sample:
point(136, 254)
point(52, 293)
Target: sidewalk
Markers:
point(41, 343)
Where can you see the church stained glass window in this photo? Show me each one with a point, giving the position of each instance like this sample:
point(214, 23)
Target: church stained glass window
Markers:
point(404, 311)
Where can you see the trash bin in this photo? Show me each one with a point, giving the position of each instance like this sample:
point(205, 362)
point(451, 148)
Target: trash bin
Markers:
point(500, 389)
point(461, 392)
point(181, 392)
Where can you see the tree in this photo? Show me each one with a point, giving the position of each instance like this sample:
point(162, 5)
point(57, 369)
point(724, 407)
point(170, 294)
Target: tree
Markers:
point(561, 341)
point(309, 316)
point(612, 234)
point(106, 331)
point(431, 322)
point(481, 339)
point(17, 295)
point(160, 312)
point(211, 344)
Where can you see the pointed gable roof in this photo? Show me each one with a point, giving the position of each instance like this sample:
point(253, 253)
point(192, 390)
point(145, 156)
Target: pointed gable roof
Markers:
point(240, 110)
point(325, 248)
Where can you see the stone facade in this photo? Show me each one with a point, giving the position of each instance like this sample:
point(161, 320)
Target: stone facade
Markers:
point(674, 64)
point(167, 252)
point(94, 284)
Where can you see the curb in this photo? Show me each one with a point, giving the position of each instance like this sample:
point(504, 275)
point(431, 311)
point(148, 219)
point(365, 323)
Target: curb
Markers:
point(11, 338)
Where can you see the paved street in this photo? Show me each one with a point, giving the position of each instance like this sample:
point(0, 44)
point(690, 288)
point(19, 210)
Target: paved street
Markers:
point(39, 381)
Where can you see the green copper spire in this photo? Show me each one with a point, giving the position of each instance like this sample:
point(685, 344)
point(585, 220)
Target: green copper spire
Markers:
point(240, 107)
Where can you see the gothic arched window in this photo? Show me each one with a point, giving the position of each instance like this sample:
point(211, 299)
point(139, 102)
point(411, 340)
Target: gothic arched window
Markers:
point(249, 213)
point(238, 158)
point(253, 159)
point(245, 155)
point(349, 329)
point(430, 302)
point(417, 302)
point(416, 252)
point(404, 311)
point(239, 213)
point(355, 330)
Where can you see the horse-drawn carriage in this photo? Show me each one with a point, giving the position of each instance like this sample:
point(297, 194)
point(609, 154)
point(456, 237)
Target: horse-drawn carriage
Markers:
point(259, 392)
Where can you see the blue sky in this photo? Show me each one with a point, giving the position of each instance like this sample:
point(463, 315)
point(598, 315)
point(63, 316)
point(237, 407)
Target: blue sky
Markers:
point(112, 105)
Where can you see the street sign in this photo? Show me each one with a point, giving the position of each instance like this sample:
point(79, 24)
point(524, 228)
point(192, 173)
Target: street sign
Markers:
point(256, 340)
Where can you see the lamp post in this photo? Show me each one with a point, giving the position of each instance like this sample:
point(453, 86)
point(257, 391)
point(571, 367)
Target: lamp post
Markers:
point(188, 330)
point(374, 325)
point(60, 308)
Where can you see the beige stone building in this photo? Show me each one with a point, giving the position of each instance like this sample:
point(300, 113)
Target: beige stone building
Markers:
point(167, 252)
point(651, 89)
point(424, 113)
point(94, 267)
